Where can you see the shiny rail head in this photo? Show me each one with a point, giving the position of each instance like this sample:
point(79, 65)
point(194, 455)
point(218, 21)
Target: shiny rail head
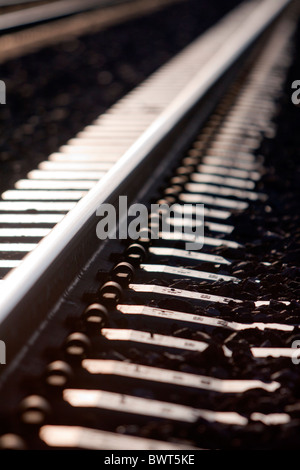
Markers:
point(38, 14)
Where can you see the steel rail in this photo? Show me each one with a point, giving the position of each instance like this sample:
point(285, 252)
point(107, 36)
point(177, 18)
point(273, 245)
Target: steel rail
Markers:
point(15, 312)
point(51, 11)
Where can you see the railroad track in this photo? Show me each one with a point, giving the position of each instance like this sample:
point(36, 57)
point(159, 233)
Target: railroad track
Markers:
point(28, 27)
point(144, 344)
point(20, 14)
